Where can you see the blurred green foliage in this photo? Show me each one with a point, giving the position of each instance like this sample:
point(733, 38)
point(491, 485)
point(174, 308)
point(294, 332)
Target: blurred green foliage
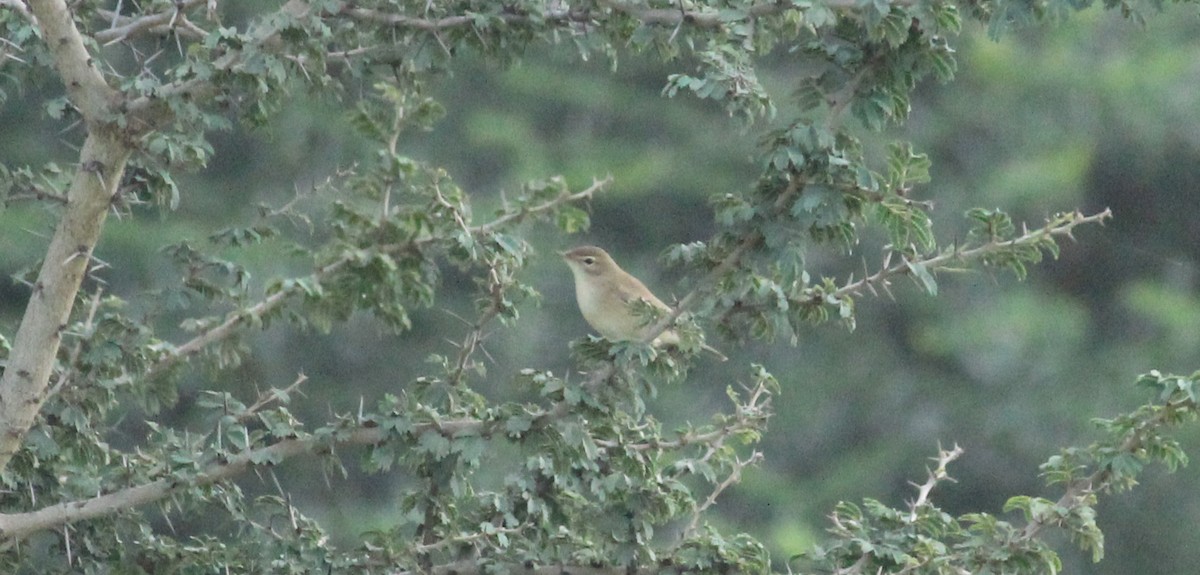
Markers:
point(1093, 113)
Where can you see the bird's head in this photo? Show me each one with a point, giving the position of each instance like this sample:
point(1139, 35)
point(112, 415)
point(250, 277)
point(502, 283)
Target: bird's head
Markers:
point(589, 261)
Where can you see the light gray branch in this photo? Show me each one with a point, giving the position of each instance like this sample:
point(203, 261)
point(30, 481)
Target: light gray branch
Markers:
point(23, 388)
point(18, 525)
point(127, 27)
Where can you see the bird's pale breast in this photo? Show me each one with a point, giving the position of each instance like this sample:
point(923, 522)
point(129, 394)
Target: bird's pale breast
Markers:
point(606, 311)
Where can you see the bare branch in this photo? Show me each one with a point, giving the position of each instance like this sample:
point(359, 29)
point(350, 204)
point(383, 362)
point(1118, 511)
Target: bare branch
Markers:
point(735, 476)
point(936, 475)
point(125, 27)
point(37, 195)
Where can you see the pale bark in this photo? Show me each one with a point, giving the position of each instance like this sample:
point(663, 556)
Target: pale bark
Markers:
point(15, 526)
point(102, 160)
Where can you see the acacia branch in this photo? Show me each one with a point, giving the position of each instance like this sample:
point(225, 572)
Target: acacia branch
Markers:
point(795, 185)
point(747, 416)
point(125, 27)
point(18, 525)
point(455, 21)
point(735, 476)
point(667, 17)
point(20, 401)
point(37, 195)
point(475, 336)
point(1076, 493)
point(935, 476)
point(237, 319)
point(85, 84)
point(15, 526)
point(882, 277)
point(102, 160)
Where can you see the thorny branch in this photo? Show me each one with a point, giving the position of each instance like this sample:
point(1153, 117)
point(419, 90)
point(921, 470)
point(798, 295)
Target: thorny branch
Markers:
point(14, 526)
point(1076, 493)
point(124, 27)
point(735, 475)
point(475, 336)
point(882, 277)
point(936, 475)
point(240, 317)
point(747, 416)
point(89, 327)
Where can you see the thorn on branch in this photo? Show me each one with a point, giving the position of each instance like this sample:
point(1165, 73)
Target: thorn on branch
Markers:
point(936, 475)
point(80, 250)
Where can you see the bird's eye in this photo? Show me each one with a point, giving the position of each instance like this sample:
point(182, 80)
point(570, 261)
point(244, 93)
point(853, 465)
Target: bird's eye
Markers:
point(589, 260)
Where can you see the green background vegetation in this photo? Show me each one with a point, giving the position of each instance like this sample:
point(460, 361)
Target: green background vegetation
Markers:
point(1093, 113)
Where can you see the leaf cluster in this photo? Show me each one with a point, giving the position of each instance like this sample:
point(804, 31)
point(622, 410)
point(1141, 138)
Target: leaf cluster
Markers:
point(581, 475)
point(876, 538)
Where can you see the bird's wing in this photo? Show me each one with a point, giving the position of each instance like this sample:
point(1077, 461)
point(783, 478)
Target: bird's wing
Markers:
point(631, 291)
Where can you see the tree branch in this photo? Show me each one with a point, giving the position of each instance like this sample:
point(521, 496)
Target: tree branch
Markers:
point(14, 526)
point(475, 336)
point(20, 398)
point(17, 525)
point(102, 160)
point(936, 475)
point(746, 416)
point(882, 277)
point(448, 22)
point(238, 318)
point(125, 27)
point(1073, 497)
point(85, 84)
point(735, 476)
point(648, 16)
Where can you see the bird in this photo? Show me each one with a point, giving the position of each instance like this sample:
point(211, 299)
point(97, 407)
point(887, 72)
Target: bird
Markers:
point(604, 293)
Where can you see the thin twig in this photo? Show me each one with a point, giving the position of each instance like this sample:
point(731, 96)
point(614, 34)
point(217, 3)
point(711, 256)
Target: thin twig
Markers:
point(87, 331)
point(237, 318)
point(936, 475)
point(735, 475)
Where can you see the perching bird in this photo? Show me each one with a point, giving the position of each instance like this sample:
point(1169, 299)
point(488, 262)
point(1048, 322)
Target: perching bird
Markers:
point(604, 292)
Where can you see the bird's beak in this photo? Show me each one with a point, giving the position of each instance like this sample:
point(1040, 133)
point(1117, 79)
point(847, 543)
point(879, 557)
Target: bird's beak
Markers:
point(562, 254)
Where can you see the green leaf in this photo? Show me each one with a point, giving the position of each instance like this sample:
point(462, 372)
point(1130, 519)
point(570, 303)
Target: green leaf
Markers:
point(923, 276)
point(434, 443)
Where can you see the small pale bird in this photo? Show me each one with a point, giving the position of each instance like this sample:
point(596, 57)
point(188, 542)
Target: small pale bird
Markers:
point(604, 292)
